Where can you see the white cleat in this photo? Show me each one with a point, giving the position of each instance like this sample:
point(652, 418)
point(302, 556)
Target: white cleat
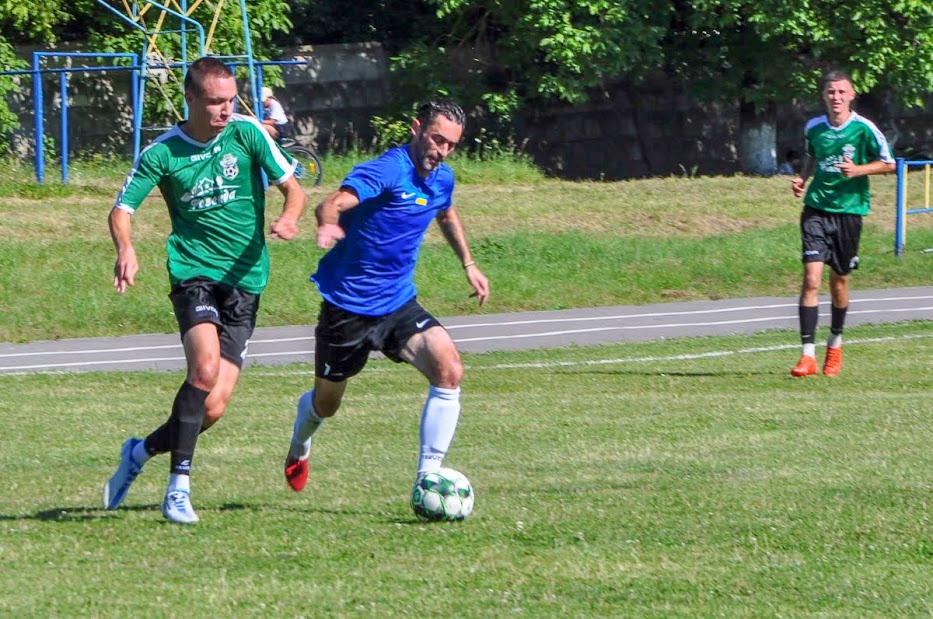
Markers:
point(116, 487)
point(177, 508)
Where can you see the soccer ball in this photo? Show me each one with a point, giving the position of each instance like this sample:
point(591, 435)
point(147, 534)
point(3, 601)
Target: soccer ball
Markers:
point(445, 494)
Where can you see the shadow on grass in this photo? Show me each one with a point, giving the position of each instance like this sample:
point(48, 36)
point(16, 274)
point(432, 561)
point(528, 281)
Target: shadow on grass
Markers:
point(90, 514)
point(74, 514)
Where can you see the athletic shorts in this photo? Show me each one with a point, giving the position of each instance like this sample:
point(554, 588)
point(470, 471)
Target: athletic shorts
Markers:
point(343, 340)
point(832, 238)
point(285, 130)
point(201, 300)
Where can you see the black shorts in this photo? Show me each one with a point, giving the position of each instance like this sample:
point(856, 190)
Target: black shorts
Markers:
point(832, 238)
point(201, 300)
point(285, 130)
point(343, 340)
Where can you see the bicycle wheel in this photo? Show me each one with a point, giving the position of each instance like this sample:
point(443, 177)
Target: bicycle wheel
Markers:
point(309, 171)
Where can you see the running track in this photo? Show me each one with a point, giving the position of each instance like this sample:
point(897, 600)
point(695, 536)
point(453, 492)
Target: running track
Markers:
point(488, 332)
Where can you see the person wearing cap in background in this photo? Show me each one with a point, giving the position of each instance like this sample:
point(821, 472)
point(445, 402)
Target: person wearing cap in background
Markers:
point(274, 120)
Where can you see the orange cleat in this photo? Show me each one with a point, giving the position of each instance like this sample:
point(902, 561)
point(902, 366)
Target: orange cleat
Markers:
point(833, 364)
point(296, 473)
point(805, 367)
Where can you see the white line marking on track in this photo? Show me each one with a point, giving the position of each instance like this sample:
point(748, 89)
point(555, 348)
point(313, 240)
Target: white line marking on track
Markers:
point(620, 360)
point(744, 308)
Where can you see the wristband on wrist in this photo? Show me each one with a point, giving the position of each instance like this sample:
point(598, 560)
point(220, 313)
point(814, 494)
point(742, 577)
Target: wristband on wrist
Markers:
point(472, 263)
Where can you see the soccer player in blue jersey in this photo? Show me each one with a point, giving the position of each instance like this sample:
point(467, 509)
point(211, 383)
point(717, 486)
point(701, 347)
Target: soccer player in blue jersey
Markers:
point(843, 149)
point(208, 171)
point(374, 224)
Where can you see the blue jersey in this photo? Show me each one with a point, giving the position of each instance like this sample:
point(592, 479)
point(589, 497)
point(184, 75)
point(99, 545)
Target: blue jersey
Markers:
point(371, 271)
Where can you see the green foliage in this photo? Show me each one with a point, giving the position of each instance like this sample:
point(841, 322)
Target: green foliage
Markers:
point(100, 30)
point(506, 57)
point(32, 21)
point(165, 101)
point(389, 133)
point(9, 85)
point(771, 51)
point(527, 52)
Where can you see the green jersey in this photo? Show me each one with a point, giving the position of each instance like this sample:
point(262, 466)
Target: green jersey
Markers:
point(861, 141)
point(216, 200)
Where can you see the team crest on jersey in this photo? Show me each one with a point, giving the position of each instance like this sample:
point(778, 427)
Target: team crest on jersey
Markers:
point(848, 151)
point(229, 164)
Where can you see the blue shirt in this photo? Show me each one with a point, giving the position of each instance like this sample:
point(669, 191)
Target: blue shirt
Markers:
point(371, 271)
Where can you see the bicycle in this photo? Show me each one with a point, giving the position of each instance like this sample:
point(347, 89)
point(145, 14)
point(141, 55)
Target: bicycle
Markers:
point(309, 171)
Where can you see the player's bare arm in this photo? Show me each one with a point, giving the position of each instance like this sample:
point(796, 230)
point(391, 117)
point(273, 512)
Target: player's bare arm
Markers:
point(849, 169)
point(806, 170)
point(452, 229)
point(126, 266)
point(328, 216)
point(285, 226)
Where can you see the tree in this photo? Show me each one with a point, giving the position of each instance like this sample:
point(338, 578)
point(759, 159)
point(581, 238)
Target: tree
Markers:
point(510, 55)
point(762, 53)
point(46, 23)
point(23, 21)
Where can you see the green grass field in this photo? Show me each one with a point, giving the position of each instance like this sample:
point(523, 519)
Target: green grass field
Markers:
point(683, 478)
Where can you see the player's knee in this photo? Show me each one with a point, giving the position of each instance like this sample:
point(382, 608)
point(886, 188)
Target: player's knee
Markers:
point(211, 416)
point(811, 284)
point(204, 375)
point(450, 373)
point(214, 408)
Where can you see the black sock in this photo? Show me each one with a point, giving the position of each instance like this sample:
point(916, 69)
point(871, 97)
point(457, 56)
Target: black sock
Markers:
point(809, 316)
point(838, 319)
point(179, 434)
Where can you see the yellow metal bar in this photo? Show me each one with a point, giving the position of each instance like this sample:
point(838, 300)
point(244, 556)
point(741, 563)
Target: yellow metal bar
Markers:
point(129, 11)
point(210, 33)
point(926, 187)
point(193, 6)
point(158, 29)
point(906, 187)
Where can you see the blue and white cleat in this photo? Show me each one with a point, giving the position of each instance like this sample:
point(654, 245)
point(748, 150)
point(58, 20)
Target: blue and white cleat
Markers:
point(116, 487)
point(177, 508)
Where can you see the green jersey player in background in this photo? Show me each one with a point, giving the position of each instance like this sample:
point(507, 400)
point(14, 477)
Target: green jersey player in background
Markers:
point(842, 149)
point(208, 170)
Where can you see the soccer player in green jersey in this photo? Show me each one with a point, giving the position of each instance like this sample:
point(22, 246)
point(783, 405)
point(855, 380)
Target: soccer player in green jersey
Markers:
point(843, 149)
point(208, 170)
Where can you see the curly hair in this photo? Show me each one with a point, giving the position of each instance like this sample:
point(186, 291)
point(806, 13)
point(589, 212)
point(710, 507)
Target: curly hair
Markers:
point(437, 107)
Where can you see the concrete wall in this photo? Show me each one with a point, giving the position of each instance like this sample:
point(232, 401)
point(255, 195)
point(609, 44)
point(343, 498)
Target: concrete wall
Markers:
point(650, 129)
point(333, 97)
point(655, 129)
point(331, 101)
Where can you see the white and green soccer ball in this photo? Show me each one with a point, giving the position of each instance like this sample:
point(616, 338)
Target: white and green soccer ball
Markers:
point(445, 494)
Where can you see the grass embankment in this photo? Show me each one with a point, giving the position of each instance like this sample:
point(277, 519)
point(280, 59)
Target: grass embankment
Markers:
point(544, 243)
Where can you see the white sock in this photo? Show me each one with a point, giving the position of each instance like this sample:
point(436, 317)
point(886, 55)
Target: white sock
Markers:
point(809, 350)
point(834, 341)
point(178, 482)
point(438, 424)
point(307, 423)
point(139, 454)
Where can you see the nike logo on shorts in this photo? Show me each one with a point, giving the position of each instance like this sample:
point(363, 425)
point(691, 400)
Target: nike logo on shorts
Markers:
point(420, 324)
